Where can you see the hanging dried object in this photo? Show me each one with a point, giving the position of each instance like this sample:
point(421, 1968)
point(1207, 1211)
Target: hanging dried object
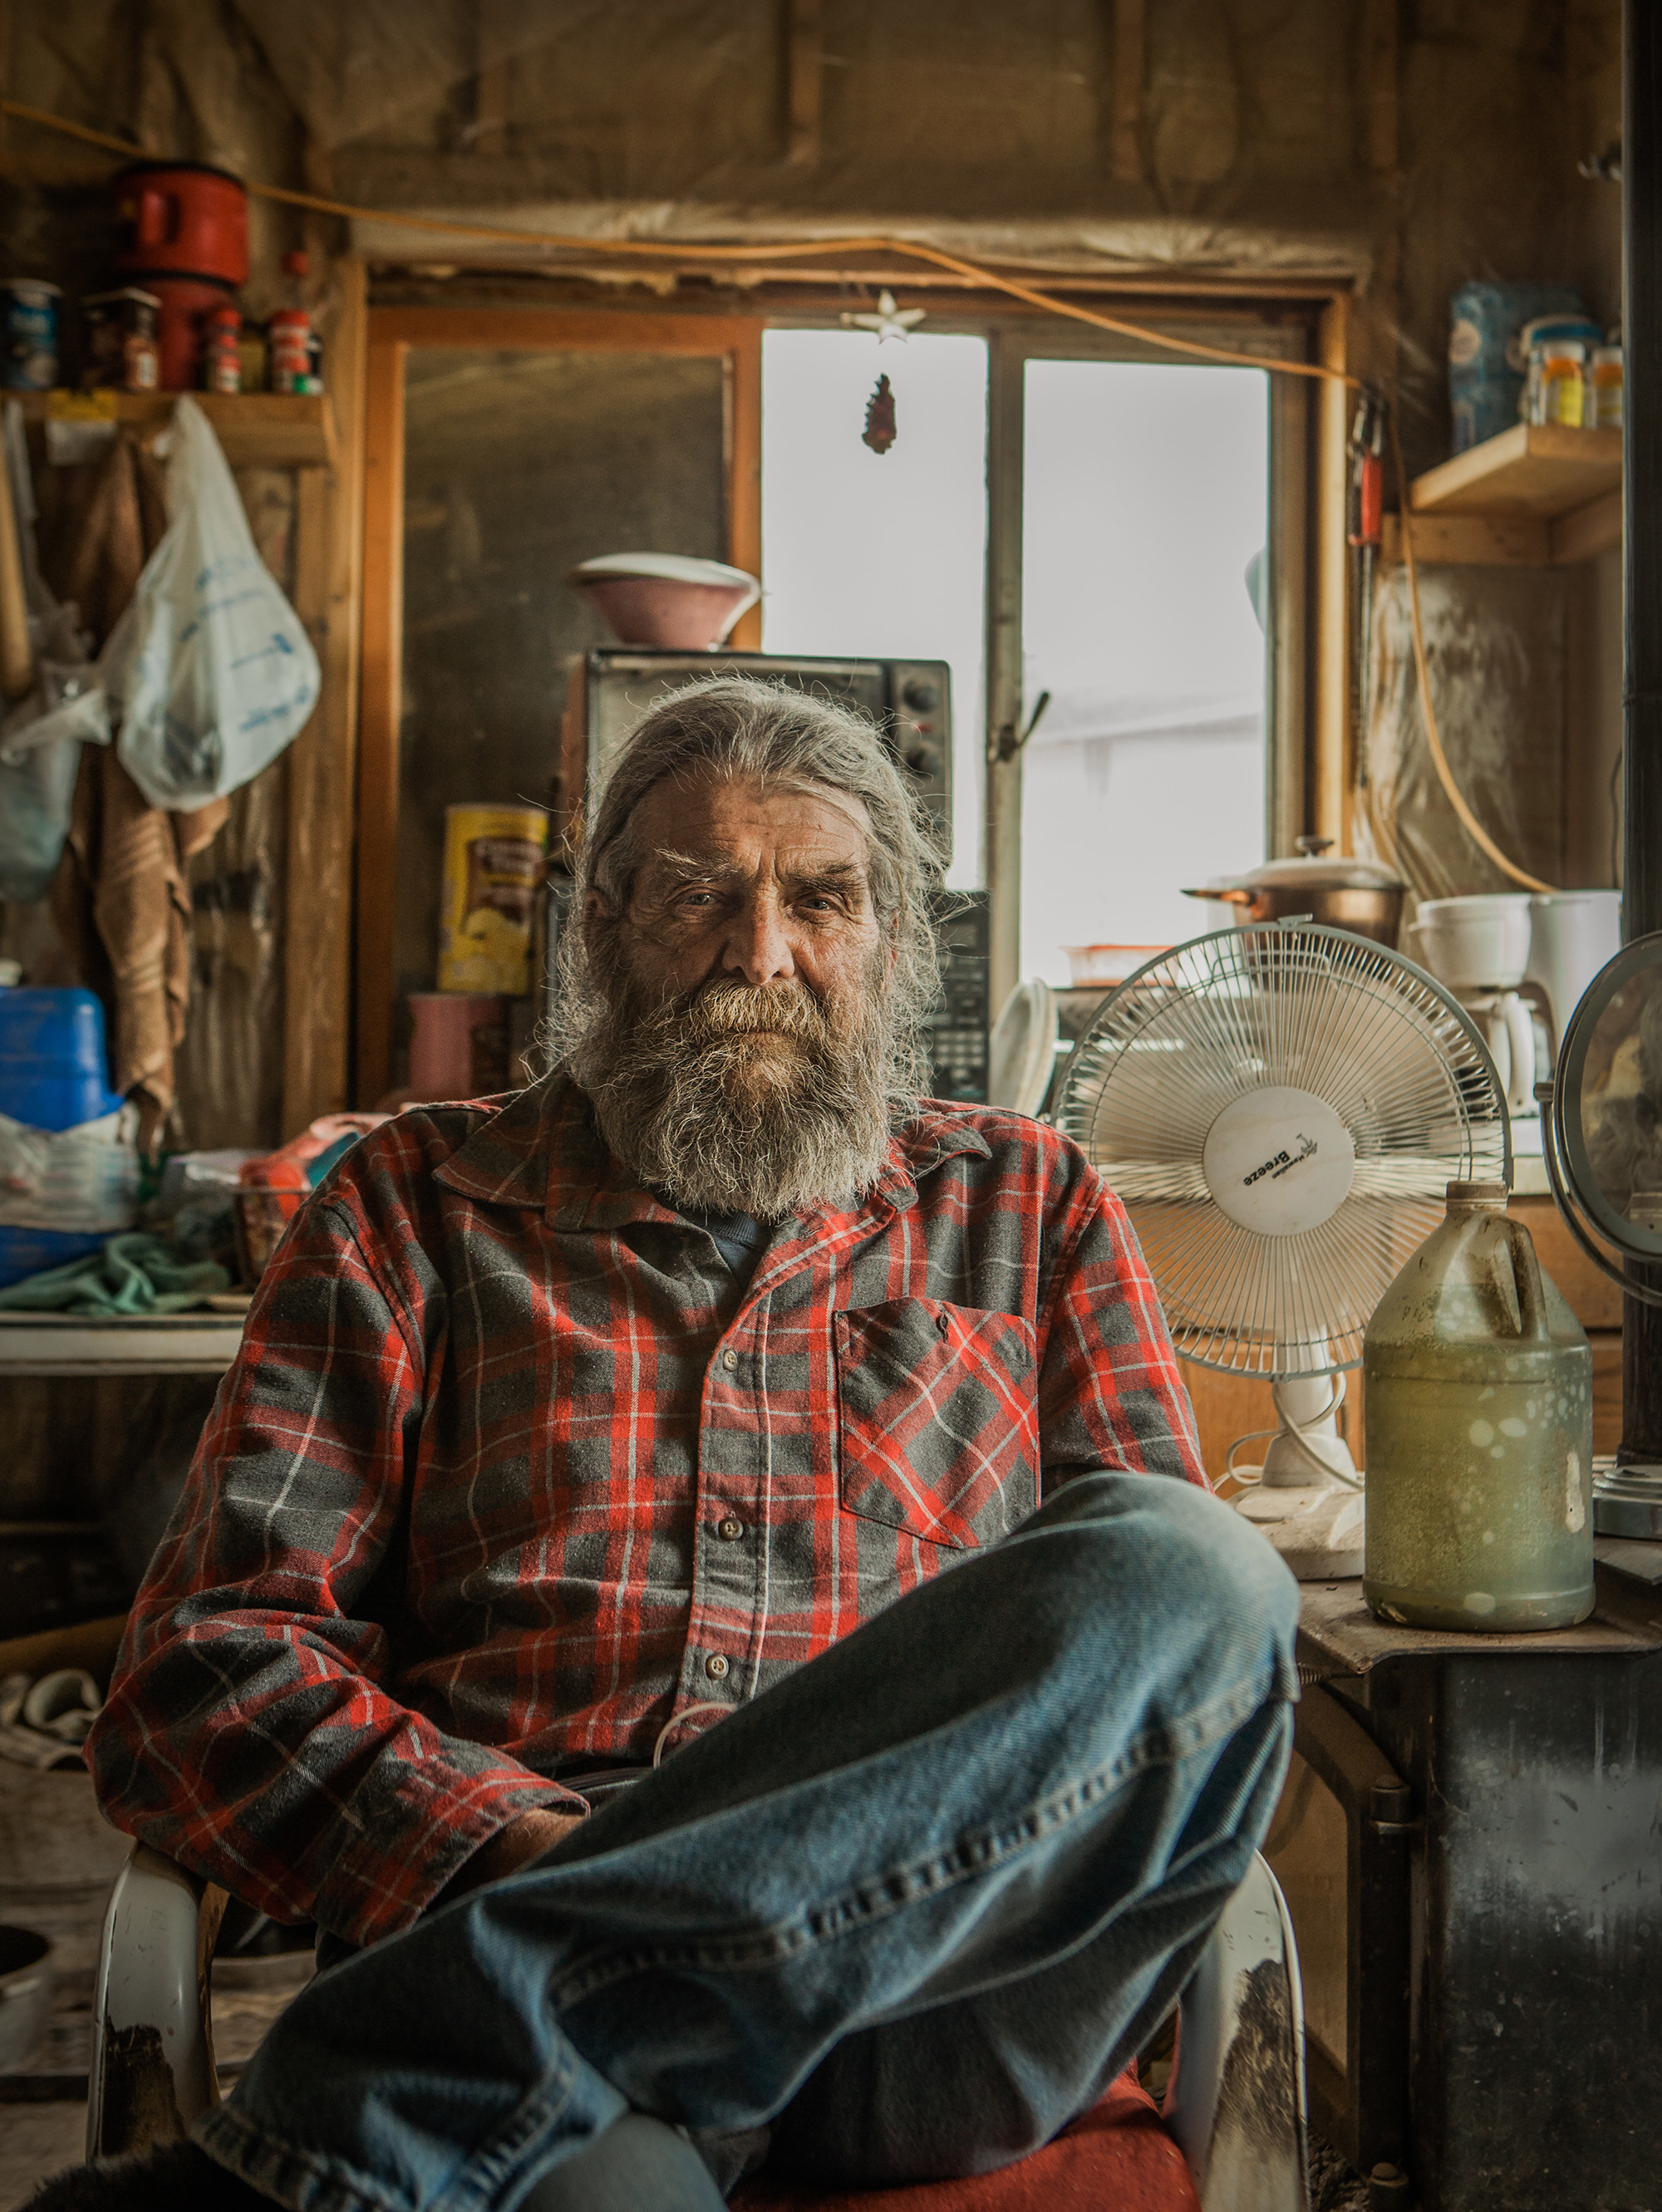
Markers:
point(880, 431)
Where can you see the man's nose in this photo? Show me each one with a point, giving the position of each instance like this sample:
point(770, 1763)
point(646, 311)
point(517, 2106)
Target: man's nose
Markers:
point(758, 946)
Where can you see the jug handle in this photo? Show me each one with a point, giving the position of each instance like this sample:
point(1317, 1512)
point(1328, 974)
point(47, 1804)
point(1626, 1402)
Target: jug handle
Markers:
point(1526, 1274)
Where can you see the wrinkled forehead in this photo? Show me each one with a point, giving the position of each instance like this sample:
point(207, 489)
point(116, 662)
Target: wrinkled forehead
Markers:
point(748, 824)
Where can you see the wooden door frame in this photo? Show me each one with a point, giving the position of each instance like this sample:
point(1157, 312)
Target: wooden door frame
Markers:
point(393, 331)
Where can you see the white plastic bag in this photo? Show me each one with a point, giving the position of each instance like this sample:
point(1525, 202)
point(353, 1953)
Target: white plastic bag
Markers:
point(84, 1179)
point(208, 673)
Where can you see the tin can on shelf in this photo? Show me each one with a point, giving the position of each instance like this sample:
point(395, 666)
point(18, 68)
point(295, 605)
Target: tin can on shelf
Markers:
point(28, 362)
point(222, 352)
point(493, 865)
point(123, 353)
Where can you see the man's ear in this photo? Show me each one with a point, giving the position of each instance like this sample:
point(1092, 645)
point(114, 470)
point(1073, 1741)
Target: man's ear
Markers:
point(597, 918)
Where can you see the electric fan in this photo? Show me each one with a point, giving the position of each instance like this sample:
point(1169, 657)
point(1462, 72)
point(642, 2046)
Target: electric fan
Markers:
point(1280, 1108)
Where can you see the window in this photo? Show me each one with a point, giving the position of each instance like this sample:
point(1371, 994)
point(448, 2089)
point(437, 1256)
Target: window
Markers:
point(1128, 511)
point(865, 552)
point(1144, 596)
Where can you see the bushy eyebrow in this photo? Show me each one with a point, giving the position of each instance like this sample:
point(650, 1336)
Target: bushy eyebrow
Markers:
point(688, 867)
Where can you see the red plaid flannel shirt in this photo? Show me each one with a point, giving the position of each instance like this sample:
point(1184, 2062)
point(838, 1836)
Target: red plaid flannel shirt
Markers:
point(508, 1473)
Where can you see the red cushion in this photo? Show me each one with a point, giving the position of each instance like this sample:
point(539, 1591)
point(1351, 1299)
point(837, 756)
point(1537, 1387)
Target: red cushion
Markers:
point(1118, 2157)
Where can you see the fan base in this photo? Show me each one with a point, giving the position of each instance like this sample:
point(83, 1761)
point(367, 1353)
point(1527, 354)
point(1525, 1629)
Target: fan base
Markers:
point(1627, 1501)
point(1317, 1529)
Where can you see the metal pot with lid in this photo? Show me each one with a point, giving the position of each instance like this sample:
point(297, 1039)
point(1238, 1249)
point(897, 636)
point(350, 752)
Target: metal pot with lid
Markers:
point(1360, 896)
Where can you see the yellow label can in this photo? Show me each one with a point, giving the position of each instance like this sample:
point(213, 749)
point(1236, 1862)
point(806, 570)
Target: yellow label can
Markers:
point(493, 868)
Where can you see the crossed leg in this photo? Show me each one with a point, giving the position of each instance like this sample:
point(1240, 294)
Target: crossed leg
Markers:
point(914, 1906)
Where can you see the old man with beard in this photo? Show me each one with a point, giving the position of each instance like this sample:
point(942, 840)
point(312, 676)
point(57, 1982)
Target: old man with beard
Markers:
point(700, 1581)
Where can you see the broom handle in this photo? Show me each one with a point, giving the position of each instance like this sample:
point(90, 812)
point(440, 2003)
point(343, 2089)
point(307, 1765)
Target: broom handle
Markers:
point(16, 660)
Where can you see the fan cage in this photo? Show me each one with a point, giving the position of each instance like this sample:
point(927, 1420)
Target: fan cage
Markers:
point(1314, 1008)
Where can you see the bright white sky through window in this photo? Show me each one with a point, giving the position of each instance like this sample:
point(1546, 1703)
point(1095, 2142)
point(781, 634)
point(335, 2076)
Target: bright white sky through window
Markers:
point(882, 554)
point(1146, 499)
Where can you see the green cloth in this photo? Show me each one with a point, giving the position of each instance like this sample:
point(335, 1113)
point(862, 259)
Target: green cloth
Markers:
point(135, 1273)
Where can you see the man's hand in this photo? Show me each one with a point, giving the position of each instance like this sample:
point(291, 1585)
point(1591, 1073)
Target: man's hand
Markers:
point(523, 1839)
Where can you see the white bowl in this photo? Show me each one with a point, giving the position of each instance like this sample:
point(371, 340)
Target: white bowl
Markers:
point(1476, 944)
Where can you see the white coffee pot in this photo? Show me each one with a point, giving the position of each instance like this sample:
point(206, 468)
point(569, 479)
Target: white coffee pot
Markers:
point(1480, 947)
point(1476, 944)
point(1509, 1032)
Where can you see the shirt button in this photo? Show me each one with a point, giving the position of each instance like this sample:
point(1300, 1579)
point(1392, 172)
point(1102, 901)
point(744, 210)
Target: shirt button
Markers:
point(715, 1667)
point(732, 1529)
point(729, 1360)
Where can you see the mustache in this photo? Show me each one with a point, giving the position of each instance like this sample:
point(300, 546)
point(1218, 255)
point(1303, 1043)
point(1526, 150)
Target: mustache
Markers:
point(725, 1008)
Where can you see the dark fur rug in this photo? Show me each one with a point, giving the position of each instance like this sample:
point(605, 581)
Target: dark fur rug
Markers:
point(174, 2176)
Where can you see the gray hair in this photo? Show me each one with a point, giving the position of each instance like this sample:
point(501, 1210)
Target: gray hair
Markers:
point(726, 728)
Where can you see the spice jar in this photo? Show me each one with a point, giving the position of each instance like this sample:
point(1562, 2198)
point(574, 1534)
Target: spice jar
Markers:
point(1607, 388)
point(1560, 390)
point(289, 335)
point(288, 349)
point(222, 359)
point(123, 353)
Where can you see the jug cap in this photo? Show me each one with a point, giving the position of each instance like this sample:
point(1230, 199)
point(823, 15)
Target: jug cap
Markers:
point(1489, 1196)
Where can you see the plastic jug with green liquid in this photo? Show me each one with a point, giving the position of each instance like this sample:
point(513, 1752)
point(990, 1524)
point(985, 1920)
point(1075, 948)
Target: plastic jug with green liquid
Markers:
point(1479, 1426)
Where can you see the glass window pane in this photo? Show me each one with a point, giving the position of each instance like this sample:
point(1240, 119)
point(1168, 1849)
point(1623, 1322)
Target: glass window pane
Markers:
point(882, 554)
point(1145, 517)
point(517, 466)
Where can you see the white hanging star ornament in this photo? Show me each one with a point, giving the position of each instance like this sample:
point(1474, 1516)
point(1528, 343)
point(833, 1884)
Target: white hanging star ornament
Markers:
point(889, 321)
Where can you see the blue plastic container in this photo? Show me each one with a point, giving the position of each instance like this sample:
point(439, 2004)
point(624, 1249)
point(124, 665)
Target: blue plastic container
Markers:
point(31, 1251)
point(54, 1073)
point(1486, 368)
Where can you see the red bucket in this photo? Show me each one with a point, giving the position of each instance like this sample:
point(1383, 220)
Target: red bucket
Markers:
point(182, 219)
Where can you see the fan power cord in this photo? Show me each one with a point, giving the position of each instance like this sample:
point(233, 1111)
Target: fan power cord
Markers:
point(1300, 1432)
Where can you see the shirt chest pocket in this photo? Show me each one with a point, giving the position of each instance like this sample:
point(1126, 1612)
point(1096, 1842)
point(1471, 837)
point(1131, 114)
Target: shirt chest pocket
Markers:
point(938, 1420)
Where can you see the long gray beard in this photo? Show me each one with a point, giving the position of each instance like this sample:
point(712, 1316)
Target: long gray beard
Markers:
point(697, 1106)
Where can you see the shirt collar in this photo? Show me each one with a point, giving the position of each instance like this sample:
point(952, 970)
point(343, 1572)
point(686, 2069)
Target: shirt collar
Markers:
point(542, 1149)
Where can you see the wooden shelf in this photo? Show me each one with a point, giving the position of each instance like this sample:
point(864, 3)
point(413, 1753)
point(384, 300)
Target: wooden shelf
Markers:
point(140, 1344)
point(258, 429)
point(1537, 495)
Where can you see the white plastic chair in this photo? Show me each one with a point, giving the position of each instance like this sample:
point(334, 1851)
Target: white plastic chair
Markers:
point(1235, 2106)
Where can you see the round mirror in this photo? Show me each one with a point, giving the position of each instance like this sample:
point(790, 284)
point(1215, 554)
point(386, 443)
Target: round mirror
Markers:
point(1608, 1101)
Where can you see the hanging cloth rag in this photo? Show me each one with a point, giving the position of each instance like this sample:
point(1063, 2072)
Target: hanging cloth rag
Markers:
point(121, 899)
point(135, 1273)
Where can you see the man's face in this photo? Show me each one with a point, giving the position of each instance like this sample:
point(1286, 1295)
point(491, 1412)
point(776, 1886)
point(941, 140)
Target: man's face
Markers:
point(742, 1060)
point(766, 888)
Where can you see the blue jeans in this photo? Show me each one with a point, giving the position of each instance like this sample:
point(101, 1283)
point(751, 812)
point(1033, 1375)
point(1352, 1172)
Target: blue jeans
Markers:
point(916, 1905)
